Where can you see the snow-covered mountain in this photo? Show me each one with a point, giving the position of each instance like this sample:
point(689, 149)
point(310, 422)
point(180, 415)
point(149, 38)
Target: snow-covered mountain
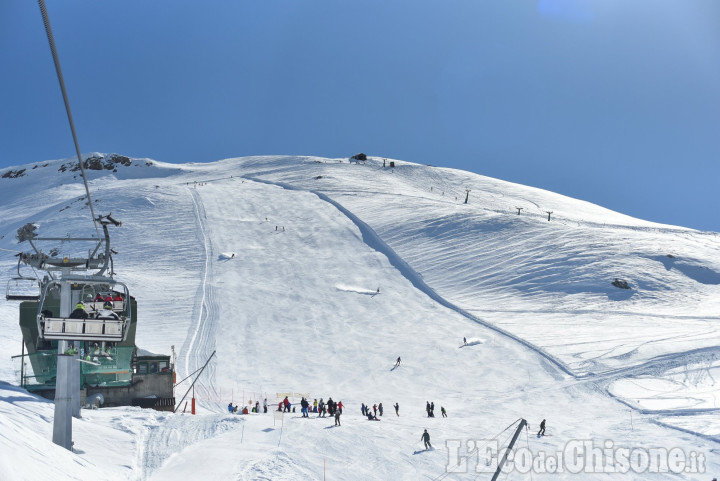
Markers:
point(275, 263)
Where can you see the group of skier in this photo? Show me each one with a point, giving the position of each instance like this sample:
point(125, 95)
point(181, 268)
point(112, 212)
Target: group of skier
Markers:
point(430, 409)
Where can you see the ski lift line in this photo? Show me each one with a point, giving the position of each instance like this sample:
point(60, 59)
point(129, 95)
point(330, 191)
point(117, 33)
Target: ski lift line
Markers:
point(58, 70)
point(477, 448)
point(187, 377)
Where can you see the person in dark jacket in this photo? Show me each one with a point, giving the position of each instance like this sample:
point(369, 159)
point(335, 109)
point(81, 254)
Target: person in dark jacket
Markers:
point(304, 405)
point(362, 409)
point(380, 408)
point(397, 409)
point(426, 438)
point(79, 312)
point(542, 428)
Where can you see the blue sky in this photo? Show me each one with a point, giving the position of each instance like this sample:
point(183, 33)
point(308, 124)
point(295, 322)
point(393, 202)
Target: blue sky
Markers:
point(612, 101)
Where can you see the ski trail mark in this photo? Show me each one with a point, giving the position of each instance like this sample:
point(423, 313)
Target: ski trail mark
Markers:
point(201, 340)
point(374, 241)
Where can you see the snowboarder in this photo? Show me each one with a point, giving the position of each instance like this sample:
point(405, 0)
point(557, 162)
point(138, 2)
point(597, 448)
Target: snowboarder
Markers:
point(397, 409)
point(442, 410)
point(397, 363)
point(542, 429)
point(380, 408)
point(426, 438)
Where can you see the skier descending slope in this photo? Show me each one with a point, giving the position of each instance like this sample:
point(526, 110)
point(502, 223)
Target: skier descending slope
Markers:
point(426, 439)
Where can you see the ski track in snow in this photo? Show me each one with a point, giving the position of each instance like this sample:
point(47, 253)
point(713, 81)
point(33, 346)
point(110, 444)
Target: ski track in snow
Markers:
point(602, 379)
point(374, 241)
point(200, 343)
point(172, 434)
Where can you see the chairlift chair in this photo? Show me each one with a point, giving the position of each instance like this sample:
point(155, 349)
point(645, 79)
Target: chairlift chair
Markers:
point(19, 288)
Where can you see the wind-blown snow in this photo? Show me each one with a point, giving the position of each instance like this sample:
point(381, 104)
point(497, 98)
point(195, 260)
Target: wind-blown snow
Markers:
point(275, 263)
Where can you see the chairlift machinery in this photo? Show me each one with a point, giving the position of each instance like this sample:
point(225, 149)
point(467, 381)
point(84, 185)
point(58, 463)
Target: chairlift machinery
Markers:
point(65, 282)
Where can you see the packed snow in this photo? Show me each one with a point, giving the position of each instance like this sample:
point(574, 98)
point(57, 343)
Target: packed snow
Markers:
point(309, 277)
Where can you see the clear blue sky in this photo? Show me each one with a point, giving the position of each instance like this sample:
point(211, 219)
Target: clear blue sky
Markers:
point(612, 101)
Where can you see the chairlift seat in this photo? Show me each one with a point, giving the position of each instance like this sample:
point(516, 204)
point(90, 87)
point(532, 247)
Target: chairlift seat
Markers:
point(18, 297)
point(83, 329)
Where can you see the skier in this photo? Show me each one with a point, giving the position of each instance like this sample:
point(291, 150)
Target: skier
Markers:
point(230, 408)
point(432, 409)
point(426, 438)
point(542, 429)
point(464, 341)
point(79, 312)
point(427, 408)
point(304, 405)
point(397, 409)
point(380, 408)
point(107, 312)
point(286, 403)
point(337, 417)
point(265, 405)
point(321, 408)
point(339, 406)
point(397, 363)
point(362, 409)
point(375, 409)
point(315, 405)
point(442, 410)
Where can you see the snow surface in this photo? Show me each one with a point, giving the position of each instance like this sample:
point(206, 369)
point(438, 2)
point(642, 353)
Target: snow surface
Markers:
point(275, 263)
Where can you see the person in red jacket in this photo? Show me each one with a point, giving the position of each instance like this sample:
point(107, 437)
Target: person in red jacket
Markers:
point(340, 406)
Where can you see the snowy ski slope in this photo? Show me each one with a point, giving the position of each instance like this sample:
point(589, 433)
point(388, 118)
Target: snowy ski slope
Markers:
point(274, 262)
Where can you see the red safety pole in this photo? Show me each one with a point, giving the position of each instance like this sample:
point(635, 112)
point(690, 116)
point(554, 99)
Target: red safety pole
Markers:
point(185, 407)
point(192, 410)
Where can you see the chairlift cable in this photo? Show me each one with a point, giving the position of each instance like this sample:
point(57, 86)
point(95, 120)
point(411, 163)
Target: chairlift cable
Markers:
point(51, 41)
